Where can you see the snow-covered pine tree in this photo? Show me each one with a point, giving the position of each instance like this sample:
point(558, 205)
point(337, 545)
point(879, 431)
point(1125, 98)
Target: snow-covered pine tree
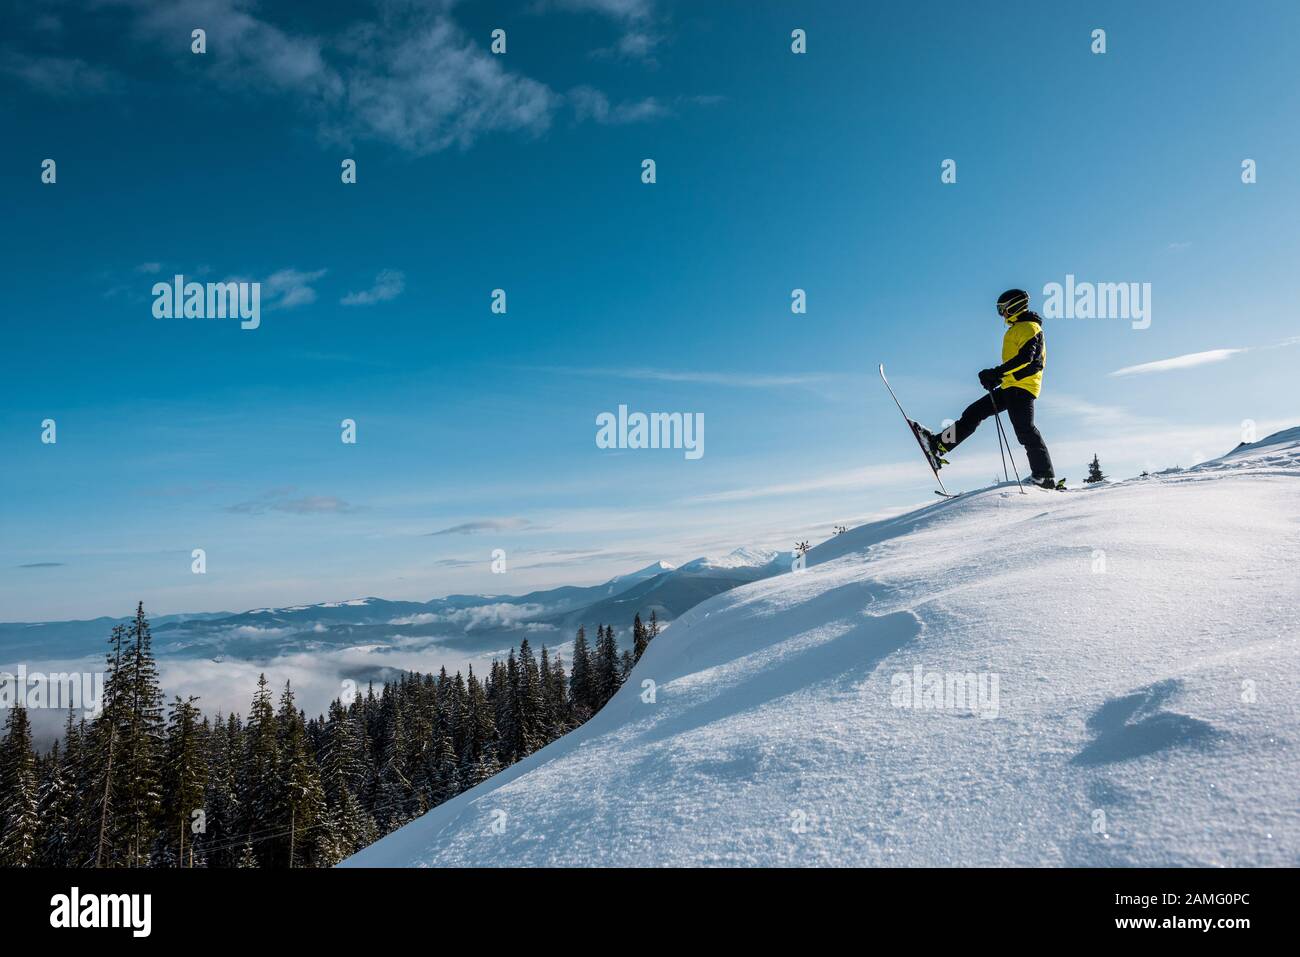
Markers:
point(555, 697)
point(299, 800)
point(342, 774)
point(457, 704)
point(395, 793)
point(639, 638)
point(60, 806)
point(582, 690)
point(546, 720)
point(218, 845)
point(442, 773)
point(607, 676)
point(96, 827)
point(505, 688)
point(259, 775)
point(478, 759)
point(529, 705)
point(184, 780)
point(137, 770)
point(19, 792)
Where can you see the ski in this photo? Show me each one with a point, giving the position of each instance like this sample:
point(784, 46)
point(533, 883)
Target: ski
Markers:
point(916, 435)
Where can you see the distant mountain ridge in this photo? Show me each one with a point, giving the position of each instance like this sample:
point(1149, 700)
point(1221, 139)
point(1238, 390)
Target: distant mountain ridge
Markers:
point(466, 622)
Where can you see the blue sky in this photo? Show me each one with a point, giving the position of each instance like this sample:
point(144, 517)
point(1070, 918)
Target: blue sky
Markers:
point(775, 171)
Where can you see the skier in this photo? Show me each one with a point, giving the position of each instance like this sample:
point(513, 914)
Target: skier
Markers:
point(1013, 386)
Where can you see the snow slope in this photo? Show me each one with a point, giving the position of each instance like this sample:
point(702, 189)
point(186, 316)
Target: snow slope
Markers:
point(1145, 641)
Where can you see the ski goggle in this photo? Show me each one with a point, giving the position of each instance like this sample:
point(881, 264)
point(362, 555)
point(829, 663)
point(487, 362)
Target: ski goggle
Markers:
point(1013, 307)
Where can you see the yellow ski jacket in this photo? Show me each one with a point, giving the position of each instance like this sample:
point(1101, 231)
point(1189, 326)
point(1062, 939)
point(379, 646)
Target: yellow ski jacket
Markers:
point(1024, 353)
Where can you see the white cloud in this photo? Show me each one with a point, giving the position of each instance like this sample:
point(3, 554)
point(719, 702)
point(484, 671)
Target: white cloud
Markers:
point(424, 618)
point(591, 104)
point(1180, 362)
point(253, 631)
point(58, 76)
point(499, 615)
point(247, 51)
point(425, 86)
point(411, 76)
point(290, 287)
point(630, 10)
point(388, 285)
point(640, 36)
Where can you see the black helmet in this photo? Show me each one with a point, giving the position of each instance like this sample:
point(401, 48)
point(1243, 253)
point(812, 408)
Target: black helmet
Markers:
point(1012, 302)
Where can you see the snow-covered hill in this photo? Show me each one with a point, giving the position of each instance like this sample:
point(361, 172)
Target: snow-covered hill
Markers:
point(1132, 653)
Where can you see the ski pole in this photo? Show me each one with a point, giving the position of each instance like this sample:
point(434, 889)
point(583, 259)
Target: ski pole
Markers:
point(1004, 441)
point(998, 414)
point(1001, 449)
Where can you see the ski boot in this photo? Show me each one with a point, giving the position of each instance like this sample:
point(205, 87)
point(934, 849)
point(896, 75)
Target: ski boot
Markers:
point(935, 450)
point(1051, 483)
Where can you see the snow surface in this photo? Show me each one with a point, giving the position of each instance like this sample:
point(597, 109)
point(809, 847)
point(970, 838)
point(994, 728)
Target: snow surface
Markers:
point(1143, 635)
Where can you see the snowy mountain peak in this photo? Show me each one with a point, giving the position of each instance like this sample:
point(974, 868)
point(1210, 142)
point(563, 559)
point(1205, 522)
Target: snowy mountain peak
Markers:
point(743, 557)
point(641, 574)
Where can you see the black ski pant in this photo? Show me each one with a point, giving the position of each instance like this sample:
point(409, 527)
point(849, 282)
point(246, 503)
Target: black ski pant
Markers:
point(1018, 404)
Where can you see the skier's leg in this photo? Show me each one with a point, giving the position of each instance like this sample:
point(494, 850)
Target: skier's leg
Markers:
point(975, 413)
point(1020, 409)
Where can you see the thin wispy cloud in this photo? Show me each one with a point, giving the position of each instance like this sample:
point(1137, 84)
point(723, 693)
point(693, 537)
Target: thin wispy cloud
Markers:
point(388, 285)
point(874, 475)
point(743, 380)
point(1188, 361)
point(486, 525)
point(43, 565)
point(283, 500)
point(630, 10)
point(1193, 359)
point(58, 76)
point(640, 36)
point(1093, 414)
point(591, 104)
point(577, 558)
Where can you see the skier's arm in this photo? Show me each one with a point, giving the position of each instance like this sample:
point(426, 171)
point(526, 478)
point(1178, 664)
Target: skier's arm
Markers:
point(1030, 357)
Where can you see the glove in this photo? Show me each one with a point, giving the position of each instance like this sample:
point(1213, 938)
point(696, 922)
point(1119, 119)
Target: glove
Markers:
point(990, 378)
